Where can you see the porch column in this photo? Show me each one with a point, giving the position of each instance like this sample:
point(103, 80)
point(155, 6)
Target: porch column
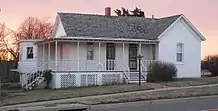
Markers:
point(49, 55)
point(99, 56)
point(140, 49)
point(78, 56)
point(56, 55)
point(154, 51)
point(43, 55)
point(123, 56)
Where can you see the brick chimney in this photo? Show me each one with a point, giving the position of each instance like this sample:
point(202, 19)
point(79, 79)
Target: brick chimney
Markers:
point(108, 11)
point(152, 16)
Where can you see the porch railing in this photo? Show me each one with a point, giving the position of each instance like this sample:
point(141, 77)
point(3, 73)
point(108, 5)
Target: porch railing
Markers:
point(82, 65)
point(92, 65)
point(145, 66)
point(110, 64)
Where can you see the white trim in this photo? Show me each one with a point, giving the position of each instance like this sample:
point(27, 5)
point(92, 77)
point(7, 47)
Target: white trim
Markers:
point(104, 38)
point(140, 49)
point(43, 52)
point(77, 55)
point(188, 23)
point(57, 23)
point(56, 55)
point(54, 30)
point(194, 28)
point(124, 63)
point(99, 54)
point(72, 39)
point(182, 52)
point(168, 29)
point(31, 40)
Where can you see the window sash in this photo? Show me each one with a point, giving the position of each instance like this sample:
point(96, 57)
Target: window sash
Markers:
point(29, 52)
point(179, 57)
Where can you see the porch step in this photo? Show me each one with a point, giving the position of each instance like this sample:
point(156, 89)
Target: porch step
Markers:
point(136, 81)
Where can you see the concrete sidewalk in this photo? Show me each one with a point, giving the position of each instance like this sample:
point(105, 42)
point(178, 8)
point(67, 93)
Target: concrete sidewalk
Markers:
point(174, 92)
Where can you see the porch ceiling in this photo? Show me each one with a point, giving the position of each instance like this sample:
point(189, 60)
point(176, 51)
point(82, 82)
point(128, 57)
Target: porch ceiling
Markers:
point(90, 39)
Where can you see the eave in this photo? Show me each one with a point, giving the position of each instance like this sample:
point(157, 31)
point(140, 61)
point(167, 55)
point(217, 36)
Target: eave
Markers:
point(98, 39)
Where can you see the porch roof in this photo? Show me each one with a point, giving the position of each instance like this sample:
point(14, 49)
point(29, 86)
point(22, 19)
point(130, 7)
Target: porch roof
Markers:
point(97, 39)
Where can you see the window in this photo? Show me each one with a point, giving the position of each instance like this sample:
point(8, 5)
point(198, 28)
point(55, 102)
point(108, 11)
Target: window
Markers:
point(179, 54)
point(90, 54)
point(29, 52)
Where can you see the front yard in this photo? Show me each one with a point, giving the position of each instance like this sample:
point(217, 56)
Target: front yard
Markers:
point(14, 96)
point(191, 82)
point(20, 96)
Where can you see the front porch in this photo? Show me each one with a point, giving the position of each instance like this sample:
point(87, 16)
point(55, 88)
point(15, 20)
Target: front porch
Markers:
point(80, 55)
point(76, 63)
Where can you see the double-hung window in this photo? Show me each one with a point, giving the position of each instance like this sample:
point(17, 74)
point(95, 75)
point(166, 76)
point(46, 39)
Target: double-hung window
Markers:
point(29, 52)
point(180, 52)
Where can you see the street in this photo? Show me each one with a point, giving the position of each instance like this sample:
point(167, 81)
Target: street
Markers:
point(195, 104)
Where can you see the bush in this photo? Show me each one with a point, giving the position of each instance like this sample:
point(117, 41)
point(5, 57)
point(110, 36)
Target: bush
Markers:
point(161, 71)
point(211, 64)
point(48, 77)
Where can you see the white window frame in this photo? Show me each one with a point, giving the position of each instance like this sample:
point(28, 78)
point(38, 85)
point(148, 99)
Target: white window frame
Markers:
point(29, 52)
point(90, 49)
point(180, 52)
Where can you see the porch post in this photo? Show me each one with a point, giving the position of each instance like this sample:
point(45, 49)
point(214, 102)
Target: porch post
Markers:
point(123, 56)
point(140, 48)
point(139, 53)
point(99, 55)
point(49, 55)
point(154, 51)
point(77, 55)
point(56, 55)
point(43, 55)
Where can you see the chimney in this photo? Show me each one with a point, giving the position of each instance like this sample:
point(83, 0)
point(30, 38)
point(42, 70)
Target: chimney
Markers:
point(152, 17)
point(107, 11)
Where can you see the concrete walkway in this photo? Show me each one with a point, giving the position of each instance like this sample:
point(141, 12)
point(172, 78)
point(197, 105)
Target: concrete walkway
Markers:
point(112, 97)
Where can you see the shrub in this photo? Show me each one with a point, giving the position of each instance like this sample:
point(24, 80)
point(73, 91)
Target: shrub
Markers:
point(48, 77)
point(161, 71)
point(211, 64)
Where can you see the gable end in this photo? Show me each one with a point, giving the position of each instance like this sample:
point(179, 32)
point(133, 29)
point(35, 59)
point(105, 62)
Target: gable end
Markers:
point(188, 25)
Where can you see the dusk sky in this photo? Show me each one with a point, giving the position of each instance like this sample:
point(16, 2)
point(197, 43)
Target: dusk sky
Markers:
point(202, 13)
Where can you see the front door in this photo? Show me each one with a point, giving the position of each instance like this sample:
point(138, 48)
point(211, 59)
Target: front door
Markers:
point(110, 56)
point(133, 56)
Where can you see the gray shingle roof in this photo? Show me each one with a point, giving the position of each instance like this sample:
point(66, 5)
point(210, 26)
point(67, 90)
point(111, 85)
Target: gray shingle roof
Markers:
point(114, 26)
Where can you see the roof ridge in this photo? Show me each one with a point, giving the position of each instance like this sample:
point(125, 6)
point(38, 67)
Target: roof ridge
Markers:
point(89, 14)
point(79, 13)
point(171, 16)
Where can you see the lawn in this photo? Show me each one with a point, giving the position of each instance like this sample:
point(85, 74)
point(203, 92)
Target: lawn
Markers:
point(20, 96)
point(191, 82)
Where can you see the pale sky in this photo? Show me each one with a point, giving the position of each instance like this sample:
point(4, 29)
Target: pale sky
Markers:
point(202, 13)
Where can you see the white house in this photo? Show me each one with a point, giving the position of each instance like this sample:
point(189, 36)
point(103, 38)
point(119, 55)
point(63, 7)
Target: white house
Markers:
point(88, 49)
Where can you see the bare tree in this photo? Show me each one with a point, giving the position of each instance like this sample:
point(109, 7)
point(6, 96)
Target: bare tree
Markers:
point(31, 28)
point(34, 28)
point(7, 44)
